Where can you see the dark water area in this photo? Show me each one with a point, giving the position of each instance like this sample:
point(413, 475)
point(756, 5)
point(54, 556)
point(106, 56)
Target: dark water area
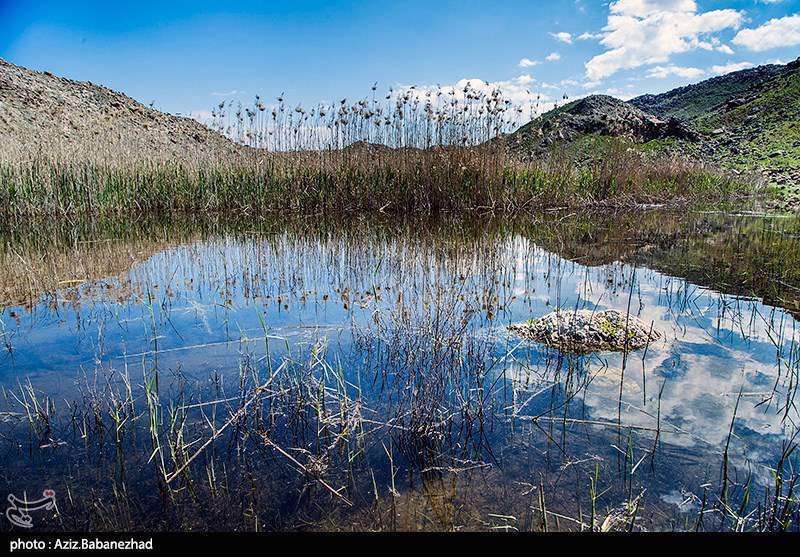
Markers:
point(312, 374)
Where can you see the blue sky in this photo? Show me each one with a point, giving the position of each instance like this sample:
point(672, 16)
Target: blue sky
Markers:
point(188, 56)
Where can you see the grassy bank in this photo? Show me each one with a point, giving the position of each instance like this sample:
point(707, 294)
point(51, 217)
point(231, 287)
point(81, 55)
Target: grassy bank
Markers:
point(361, 178)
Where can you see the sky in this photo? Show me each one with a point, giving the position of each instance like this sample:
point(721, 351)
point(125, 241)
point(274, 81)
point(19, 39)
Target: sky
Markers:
point(186, 57)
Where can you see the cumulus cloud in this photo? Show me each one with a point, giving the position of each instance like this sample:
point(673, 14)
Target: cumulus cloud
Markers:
point(562, 36)
point(645, 32)
point(779, 32)
point(730, 67)
point(527, 63)
point(725, 49)
point(662, 72)
point(553, 57)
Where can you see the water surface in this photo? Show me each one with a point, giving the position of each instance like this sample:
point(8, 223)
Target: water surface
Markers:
point(365, 378)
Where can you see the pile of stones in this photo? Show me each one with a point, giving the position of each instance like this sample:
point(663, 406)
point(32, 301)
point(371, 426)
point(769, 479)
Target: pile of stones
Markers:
point(585, 331)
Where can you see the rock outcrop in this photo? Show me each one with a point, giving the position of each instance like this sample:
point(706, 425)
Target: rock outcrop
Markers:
point(594, 115)
point(585, 331)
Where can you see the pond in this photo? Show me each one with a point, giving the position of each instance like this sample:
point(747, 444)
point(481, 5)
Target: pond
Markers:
point(314, 374)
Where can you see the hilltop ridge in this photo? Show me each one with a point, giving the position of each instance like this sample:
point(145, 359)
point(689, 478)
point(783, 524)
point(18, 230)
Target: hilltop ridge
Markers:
point(594, 115)
point(692, 101)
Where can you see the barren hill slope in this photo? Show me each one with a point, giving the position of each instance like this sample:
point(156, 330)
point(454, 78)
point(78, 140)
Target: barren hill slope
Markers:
point(43, 112)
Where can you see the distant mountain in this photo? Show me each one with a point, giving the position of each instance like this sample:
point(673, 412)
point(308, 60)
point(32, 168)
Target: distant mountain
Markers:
point(693, 101)
point(41, 111)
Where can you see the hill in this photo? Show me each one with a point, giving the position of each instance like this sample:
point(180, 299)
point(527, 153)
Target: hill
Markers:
point(39, 111)
point(759, 129)
point(692, 101)
point(746, 121)
point(599, 115)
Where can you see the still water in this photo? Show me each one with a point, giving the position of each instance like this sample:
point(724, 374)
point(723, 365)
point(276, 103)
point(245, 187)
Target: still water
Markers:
point(327, 375)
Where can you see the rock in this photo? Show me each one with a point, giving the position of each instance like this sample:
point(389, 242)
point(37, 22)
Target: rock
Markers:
point(735, 103)
point(586, 331)
point(598, 115)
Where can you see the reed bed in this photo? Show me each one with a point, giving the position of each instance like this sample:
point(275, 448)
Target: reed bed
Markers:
point(414, 151)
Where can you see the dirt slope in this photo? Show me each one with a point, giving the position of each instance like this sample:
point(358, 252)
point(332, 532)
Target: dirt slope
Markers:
point(43, 112)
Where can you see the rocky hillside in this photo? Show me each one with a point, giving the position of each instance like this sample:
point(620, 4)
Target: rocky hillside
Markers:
point(748, 121)
point(745, 121)
point(759, 128)
point(594, 115)
point(693, 101)
point(42, 111)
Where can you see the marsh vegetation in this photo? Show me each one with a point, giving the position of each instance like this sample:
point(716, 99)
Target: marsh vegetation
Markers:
point(416, 151)
point(308, 329)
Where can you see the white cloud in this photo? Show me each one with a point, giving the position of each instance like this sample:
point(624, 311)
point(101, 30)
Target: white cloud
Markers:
point(562, 36)
point(662, 72)
point(230, 93)
point(587, 36)
point(527, 63)
point(553, 57)
point(620, 94)
point(644, 32)
point(714, 44)
point(642, 8)
point(730, 67)
point(779, 32)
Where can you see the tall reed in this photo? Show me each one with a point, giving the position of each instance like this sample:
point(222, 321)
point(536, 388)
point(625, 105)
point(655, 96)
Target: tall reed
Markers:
point(416, 150)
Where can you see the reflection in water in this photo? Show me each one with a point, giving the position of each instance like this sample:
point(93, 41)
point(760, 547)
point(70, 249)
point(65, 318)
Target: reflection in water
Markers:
point(365, 373)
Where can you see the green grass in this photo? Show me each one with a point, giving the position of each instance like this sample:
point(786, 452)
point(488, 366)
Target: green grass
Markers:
point(769, 124)
point(696, 101)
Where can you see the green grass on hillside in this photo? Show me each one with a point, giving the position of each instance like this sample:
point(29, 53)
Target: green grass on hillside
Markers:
point(765, 132)
point(695, 101)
